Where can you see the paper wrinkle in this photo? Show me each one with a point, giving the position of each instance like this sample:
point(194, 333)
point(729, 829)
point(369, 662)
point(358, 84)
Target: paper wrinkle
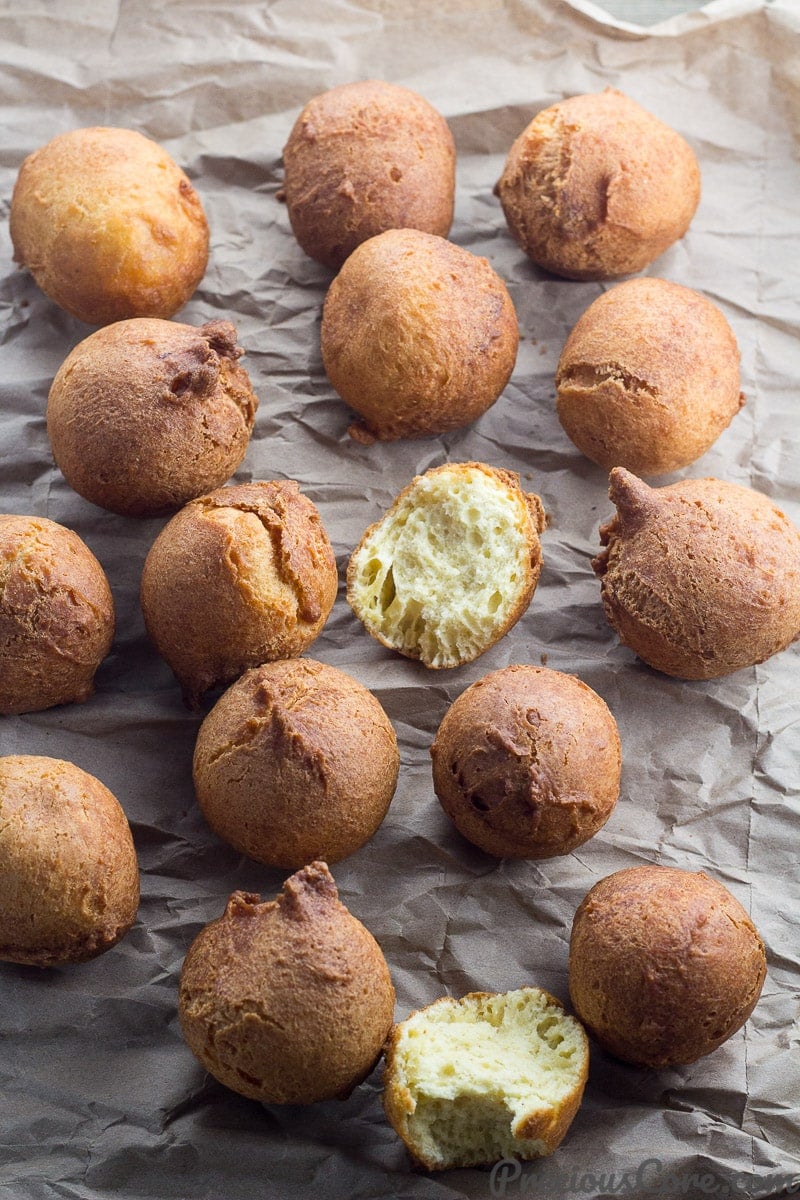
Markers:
point(100, 1094)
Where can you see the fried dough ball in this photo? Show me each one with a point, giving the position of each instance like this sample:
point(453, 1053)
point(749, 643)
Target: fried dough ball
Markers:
point(109, 226)
point(145, 414)
point(648, 378)
point(56, 615)
point(596, 187)
point(664, 965)
point(526, 763)
point(296, 761)
point(69, 881)
point(287, 1001)
point(418, 335)
point(242, 576)
point(700, 578)
point(366, 157)
point(451, 566)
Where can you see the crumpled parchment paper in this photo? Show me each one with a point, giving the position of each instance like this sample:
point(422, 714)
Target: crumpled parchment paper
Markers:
point(99, 1096)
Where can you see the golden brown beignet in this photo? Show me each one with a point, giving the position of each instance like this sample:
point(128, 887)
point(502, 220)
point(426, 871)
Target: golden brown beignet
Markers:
point(296, 761)
point(526, 762)
point(69, 880)
point(239, 577)
point(648, 378)
point(418, 336)
point(109, 226)
point(664, 965)
point(145, 414)
point(362, 158)
point(596, 187)
point(287, 1001)
point(56, 615)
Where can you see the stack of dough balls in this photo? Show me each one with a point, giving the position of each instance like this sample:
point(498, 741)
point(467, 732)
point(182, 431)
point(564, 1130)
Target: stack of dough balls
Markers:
point(596, 187)
point(363, 158)
point(56, 615)
point(418, 335)
point(146, 414)
point(526, 763)
point(451, 566)
point(648, 378)
point(290, 1001)
point(700, 578)
point(296, 761)
point(109, 226)
point(69, 882)
point(490, 1076)
point(664, 965)
point(239, 577)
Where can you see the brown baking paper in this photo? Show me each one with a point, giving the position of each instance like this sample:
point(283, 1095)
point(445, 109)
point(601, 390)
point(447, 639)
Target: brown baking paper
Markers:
point(99, 1096)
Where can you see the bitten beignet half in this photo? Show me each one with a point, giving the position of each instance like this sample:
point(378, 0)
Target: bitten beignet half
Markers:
point(451, 566)
point(487, 1077)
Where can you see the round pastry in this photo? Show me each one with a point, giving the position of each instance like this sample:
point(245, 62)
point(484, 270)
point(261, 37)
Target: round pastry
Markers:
point(239, 577)
point(597, 187)
point(418, 335)
point(109, 226)
point(493, 1075)
point(648, 378)
point(700, 578)
point(147, 414)
point(363, 158)
point(296, 760)
point(526, 763)
point(69, 881)
point(451, 566)
point(56, 615)
point(290, 1001)
point(664, 965)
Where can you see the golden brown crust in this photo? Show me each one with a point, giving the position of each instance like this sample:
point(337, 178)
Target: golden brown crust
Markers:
point(109, 226)
point(69, 881)
point(146, 414)
point(536, 523)
point(664, 966)
point(296, 761)
point(549, 1125)
point(553, 1129)
point(362, 158)
point(398, 1103)
point(648, 378)
point(700, 578)
point(596, 187)
point(290, 1001)
point(526, 763)
point(418, 335)
point(242, 576)
point(56, 615)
